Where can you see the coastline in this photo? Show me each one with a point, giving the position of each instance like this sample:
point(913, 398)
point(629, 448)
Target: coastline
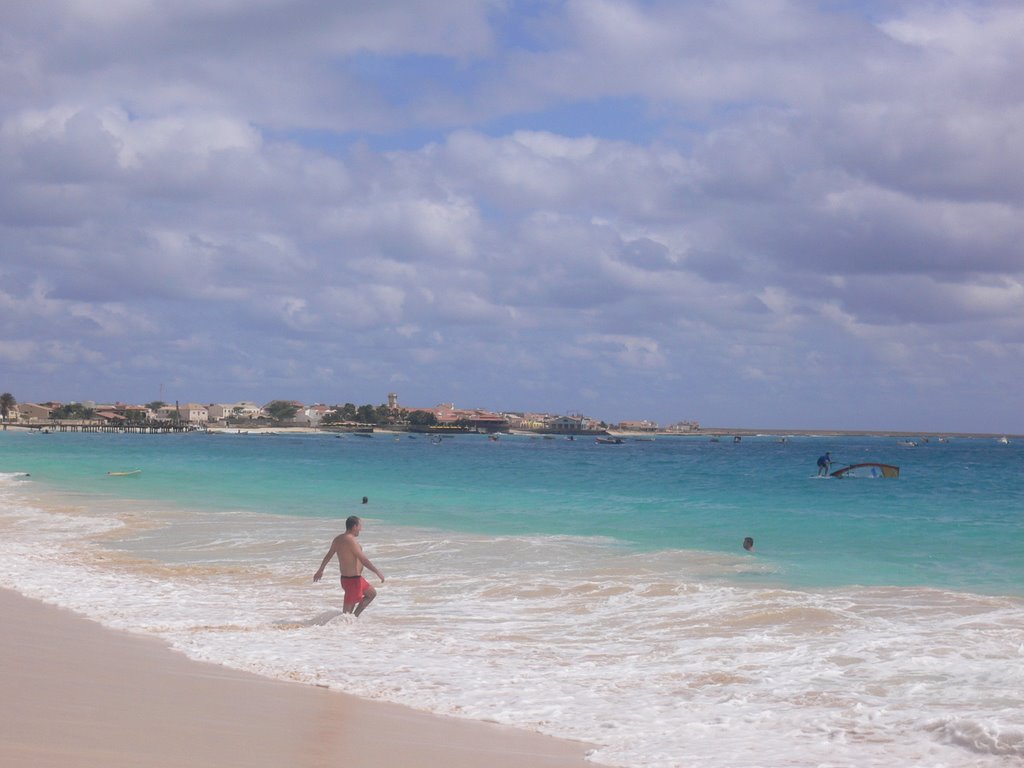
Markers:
point(656, 665)
point(77, 693)
point(613, 431)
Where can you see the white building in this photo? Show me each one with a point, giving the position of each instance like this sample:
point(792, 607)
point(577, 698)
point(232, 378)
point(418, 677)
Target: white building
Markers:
point(313, 414)
point(240, 410)
point(193, 413)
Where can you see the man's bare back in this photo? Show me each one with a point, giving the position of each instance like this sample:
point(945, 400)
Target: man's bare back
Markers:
point(351, 561)
point(348, 551)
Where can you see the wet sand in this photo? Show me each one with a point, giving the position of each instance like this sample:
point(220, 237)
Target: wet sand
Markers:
point(74, 693)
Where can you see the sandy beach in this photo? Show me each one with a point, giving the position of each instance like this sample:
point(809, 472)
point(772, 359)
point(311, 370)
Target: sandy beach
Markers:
point(75, 693)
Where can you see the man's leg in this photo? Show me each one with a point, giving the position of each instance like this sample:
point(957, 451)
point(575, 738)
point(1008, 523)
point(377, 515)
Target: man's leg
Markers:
point(368, 595)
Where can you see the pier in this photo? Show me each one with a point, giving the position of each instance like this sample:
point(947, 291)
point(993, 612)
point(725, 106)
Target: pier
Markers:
point(144, 428)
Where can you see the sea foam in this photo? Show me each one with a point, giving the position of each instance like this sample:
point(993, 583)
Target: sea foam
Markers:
point(642, 656)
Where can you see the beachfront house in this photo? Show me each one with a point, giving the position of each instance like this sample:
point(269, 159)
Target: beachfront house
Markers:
point(313, 415)
point(684, 426)
point(638, 426)
point(193, 413)
point(246, 409)
point(573, 425)
point(527, 421)
point(121, 412)
point(218, 412)
point(445, 413)
point(482, 420)
point(30, 412)
point(108, 415)
point(221, 412)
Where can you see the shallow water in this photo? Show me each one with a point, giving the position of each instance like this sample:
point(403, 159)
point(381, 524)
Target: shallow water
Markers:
point(593, 592)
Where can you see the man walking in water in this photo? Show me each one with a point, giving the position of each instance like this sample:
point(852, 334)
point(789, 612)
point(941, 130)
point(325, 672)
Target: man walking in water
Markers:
point(358, 592)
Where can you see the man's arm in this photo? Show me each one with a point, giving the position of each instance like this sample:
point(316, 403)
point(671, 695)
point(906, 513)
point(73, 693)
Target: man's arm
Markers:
point(366, 561)
point(327, 558)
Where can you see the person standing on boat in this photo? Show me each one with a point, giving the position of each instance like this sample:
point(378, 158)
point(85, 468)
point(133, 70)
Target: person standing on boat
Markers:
point(358, 592)
point(824, 464)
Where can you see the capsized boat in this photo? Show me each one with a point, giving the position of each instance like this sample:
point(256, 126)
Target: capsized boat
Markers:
point(608, 440)
point(868, 469)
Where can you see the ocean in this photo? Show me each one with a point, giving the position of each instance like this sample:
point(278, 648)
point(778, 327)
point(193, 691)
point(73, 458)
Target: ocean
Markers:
point(586, 591)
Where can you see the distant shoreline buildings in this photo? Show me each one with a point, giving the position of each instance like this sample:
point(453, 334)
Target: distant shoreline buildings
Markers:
point(243, 416)
point(286, 413)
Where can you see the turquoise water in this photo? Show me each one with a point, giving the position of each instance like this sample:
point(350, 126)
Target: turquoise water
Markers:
point(592, 592)
point(952, 520)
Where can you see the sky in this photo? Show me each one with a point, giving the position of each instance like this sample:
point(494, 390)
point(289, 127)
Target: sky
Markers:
point(747, 213)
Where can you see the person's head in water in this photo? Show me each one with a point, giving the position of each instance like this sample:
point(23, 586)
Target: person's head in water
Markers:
point(352, 523)
point(748, 544)
point(366, 499)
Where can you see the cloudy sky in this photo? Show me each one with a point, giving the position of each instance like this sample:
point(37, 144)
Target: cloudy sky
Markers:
point(764, 213)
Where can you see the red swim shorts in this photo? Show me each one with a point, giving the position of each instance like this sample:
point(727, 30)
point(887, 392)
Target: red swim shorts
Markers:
point(354, 587)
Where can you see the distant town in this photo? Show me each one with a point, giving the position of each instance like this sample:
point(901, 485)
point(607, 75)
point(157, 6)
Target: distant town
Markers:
point(159, 416)
point(291, 415)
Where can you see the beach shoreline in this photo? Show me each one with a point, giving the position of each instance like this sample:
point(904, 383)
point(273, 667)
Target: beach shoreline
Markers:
point(77, 693)
point(695, 433)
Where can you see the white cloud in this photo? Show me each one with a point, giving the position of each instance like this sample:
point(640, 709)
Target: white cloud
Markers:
point(112, 319)
point(632, 351)
point(17, 351)
point(59, 354)
point(254, 187)
point(364, 306)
